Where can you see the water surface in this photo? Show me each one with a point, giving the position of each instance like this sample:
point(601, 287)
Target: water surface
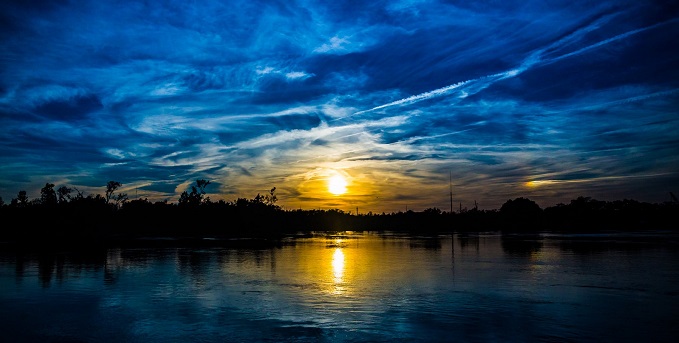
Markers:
point(351, 287)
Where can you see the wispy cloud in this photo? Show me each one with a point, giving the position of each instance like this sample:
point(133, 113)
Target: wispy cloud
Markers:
point(296, 75)
point(335, 44)
point(609, 40)
point(535, 58)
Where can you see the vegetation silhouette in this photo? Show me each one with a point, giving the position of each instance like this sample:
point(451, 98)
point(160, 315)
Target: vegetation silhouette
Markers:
point(66, 216)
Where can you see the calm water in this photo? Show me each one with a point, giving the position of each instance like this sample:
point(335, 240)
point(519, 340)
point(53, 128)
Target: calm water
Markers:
point(354, 287)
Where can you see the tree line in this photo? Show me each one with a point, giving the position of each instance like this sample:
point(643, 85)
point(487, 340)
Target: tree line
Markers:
point(66, 214)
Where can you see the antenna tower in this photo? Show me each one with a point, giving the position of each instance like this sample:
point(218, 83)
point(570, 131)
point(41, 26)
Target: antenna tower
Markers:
point(450, 183)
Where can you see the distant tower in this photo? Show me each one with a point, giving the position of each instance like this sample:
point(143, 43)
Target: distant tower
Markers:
point(450, 183)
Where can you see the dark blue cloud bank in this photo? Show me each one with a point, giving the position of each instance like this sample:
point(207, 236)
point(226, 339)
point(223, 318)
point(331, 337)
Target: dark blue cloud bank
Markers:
point(547, 100)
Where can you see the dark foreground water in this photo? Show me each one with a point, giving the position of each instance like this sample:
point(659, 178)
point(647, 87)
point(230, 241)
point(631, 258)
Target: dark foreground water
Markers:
point(353, 287)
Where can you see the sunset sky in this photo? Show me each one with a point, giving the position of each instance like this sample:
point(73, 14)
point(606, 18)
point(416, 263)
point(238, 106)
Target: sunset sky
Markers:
point(546, 100)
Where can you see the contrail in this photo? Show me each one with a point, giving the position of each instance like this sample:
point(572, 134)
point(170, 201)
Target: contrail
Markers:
point(608, 104)
point(612, 39)
point(634, 99)
point(535, 58)
point(438, 92)
point(476, 85)
point(419, 97)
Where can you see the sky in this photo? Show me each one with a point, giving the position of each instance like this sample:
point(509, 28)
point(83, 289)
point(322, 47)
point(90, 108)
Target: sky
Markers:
point(405, 100)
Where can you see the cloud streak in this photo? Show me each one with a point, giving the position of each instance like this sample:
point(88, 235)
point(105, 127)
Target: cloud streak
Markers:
point(536, 58)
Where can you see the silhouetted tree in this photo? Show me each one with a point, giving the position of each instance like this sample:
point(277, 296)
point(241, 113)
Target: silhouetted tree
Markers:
point(48, 196)
point(271, 198)
point(432, 211)
point(114, 217)
point(21, 200)
point(202, 183)
point(117, 199)
point(520, 213)
point(63, 194)
point(79, 194)
point(521, 206)
point(195, 198)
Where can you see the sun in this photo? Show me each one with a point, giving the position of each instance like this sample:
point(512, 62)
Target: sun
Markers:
point(337, 185)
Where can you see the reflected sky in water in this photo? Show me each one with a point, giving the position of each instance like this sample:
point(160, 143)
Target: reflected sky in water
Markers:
point(351, 287)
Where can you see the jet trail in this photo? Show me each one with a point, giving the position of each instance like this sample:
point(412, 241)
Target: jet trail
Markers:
point(419, 97)
point(536, 58)
point(612, 39)
point(439, 92)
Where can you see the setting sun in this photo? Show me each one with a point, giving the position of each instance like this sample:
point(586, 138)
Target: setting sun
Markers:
point(337, 185)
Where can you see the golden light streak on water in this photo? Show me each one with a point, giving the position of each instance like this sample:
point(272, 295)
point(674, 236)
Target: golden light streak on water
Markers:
point(338, 265)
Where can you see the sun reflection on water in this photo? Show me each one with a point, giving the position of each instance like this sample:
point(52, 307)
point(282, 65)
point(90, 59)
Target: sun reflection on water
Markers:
point(338, 265)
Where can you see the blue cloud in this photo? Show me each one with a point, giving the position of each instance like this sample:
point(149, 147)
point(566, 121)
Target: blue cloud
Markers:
point(74, 108)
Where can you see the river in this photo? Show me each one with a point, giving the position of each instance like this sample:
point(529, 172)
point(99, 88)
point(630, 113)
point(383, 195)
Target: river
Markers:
point(351, 287)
